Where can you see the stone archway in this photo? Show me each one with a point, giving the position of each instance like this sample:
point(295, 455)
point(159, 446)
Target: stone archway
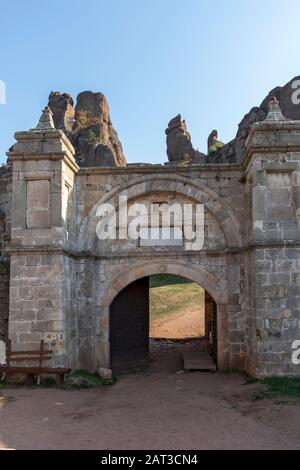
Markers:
point(180, 185)
point(214, 286)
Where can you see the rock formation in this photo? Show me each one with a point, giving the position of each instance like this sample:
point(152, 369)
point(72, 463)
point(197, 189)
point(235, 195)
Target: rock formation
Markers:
point(179, 145)
point(63, 111)
point(213, 144)
point(289, 102)
point(88, 127)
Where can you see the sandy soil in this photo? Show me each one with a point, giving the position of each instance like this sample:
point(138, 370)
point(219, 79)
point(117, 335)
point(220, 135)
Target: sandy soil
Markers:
point(188, 323)
point(154, 410)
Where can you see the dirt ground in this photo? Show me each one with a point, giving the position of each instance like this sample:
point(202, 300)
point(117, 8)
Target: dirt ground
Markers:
point(188, 323)
point(163, 408)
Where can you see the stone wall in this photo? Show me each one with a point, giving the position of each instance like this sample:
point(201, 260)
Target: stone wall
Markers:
point(277, 309)
point(273, 166)
point(5, 227)
point(222, 192)
point(63, 278)
point(37, 310)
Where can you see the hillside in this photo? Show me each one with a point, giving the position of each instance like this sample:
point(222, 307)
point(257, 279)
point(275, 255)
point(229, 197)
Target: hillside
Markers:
point(176, 307)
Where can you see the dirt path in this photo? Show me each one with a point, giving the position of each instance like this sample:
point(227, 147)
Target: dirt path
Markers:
point(188, 323)
point(149, 411)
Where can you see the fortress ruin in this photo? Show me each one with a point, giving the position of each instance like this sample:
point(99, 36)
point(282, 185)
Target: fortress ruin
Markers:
point(59, 282)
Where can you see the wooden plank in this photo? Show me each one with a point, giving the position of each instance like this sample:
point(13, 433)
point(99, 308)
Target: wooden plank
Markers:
point(28, 358)
point(21, 370)
point(54, 370)
point(34, 370)
point(33, 353)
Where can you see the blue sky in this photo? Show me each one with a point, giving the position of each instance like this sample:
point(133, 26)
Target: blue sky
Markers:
point(211, 61)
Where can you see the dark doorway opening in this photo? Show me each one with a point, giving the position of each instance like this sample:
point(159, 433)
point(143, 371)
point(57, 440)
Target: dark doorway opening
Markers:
point(155, 320)
point(129, 327)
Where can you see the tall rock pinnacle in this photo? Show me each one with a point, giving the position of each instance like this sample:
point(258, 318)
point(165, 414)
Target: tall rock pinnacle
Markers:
point(89, 128)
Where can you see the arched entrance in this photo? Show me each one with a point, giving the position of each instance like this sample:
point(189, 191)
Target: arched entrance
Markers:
point(215, 287)
point(130, 333)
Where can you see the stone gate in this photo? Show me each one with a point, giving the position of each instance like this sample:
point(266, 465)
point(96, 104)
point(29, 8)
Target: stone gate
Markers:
point(62, 279)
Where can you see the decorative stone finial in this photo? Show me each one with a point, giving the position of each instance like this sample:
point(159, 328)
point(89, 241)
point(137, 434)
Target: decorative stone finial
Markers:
point(46, 120)
point(274, 113)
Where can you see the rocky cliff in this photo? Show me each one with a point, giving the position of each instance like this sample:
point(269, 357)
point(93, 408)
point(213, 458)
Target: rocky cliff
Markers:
point(289, 102)
point(179, 145)
point(89, 128)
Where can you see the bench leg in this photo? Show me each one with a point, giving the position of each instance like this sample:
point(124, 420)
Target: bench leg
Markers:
point(29, 379)
point(57, 380)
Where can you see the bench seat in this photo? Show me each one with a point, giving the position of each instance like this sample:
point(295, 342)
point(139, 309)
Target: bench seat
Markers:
point(31, 371)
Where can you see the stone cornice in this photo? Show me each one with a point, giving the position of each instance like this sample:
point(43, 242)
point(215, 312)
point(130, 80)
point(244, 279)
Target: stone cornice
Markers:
point(154, 254)
point(69, 160)
point(44, 136)
point(266, 150)
point(275, 127)
point(147, 169)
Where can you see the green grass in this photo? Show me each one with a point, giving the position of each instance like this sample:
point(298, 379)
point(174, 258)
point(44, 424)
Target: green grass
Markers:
point(159, 280)
point(170, 295)
point(275, 387)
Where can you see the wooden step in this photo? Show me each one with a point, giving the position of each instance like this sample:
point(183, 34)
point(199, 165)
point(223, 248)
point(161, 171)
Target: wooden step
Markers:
point(198, 361)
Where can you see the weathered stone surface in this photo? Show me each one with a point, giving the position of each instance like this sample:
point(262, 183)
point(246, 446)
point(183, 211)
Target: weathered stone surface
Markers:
point(89, 128)
point(63, 111)
point(105, 374)
point(63, 279)
point(5, 238)
point(91, 108)
point(46, 120)
point(254, 115)
point(179, 145)
point(288, 97)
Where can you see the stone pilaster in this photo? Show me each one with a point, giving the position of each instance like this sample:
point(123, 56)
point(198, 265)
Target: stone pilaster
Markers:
point(273, 154)
point(43, 171)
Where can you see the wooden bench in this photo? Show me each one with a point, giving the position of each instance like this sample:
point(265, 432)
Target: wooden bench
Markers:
point(38, 356)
